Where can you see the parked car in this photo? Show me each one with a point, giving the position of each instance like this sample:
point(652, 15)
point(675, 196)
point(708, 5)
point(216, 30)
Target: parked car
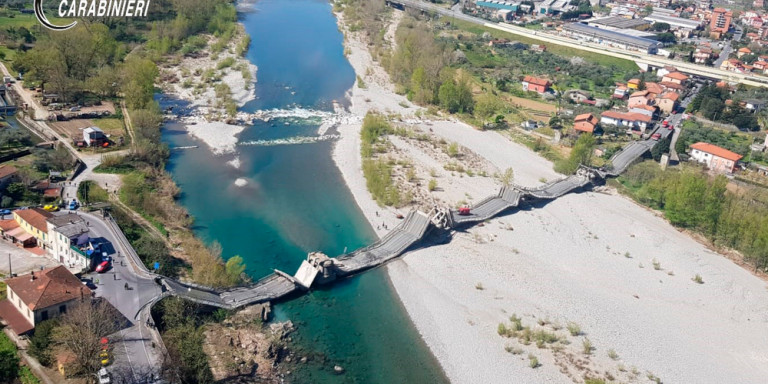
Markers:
point(656, 136)
point(102, 267)
point(73, 204)
point(104, 377)
point(5, 212)
point(51, 208)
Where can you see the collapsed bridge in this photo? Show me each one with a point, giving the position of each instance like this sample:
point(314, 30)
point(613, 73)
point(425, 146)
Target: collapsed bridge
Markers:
point(321, 269)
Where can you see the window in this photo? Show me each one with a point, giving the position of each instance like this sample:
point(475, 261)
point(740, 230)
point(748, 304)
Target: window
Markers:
point(62, 309)
point(44, 315)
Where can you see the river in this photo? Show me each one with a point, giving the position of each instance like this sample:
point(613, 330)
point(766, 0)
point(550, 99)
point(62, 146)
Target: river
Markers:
point(295, 201)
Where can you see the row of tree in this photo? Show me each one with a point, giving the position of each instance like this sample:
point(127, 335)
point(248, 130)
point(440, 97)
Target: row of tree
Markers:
point(692, 199)
point(711, 103)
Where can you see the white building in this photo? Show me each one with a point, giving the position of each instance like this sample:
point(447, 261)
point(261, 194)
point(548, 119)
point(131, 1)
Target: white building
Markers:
point(65, 233)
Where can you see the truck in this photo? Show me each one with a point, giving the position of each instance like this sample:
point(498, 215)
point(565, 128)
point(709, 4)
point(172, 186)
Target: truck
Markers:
point(464, 210)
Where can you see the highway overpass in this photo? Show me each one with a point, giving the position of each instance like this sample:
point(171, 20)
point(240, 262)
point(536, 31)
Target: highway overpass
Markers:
point(639, 58)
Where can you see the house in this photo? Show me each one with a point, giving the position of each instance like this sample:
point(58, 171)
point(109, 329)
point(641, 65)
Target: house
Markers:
point(755, 105)
point(620, 92)
point(654, 89)
point(529, 125)
point(40, 296)
point(8, 174)
point(14, 233)
point(760, 66)
point(733, 65)
point(702, 55)
point(668, 102)
point(633, 84)
point(68, 236)
point(720, 22)
point(586, 122)
point(34, 222)
point(578, 96)
point(638, 98)
point(717, 159)
point(644, 110)
point(675, 77)
point(743, 52)
point(538, 48)
point(634, 121)
point(536, 84)
point(94, 136)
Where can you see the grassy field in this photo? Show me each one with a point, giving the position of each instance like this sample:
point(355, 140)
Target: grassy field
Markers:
point(554, 48)
point(110, 126)
point(18, 20)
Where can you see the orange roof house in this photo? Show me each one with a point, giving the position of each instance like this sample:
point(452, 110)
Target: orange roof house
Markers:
point(717, 159)
point(674, 77)
point(633, 83)
point(40, 296)
point(33, 221)
point(536, 84)
point(586, 122)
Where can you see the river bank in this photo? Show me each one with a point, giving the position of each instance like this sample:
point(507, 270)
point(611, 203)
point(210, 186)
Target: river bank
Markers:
point(594, 260)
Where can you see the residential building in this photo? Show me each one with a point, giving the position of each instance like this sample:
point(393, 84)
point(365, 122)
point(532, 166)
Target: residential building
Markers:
point(69, 236)
point(702, 55)
point(34, 222)
point(633, 83)
point(668, 102)
point(743, 51)
point(717, 159)
point(536, 84)
point(40, 296)
point(8, 174)
point(621, 92)
point(755, 105)
point(720, 21)
point(638, 98)
point(654, 89)
point(675, 77)
point(14, 233)
point(634, 121)
point(586, 122)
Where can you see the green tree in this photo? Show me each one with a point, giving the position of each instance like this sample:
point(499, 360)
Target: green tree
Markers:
point(235, 268)
point(41, 342)
point(139, 82)
point(9, 360)
point(581, 154)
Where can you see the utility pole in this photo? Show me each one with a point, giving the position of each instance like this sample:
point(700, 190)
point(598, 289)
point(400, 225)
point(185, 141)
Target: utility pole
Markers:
point(10, 268)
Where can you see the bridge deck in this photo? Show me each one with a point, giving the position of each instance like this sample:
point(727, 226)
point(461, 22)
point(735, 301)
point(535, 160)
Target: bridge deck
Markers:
point(407, 233)
point(269, 288)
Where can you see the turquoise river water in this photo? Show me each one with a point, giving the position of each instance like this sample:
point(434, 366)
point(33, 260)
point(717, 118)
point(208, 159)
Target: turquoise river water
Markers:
point(296, 202)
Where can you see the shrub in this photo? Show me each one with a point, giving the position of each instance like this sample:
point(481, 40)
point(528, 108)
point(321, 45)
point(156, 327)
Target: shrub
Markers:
point(587, 347)
point(432, 185)
point(533, 361)
point(697, 279)
point(612, 354)
point(574, 329)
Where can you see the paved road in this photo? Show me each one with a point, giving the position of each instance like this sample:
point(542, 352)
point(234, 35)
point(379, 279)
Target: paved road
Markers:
point(676, 120)
point(728, 48)
point(137, 351)
point(656, 61)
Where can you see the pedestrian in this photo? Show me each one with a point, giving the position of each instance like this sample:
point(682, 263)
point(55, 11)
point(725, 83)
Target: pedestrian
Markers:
point(115, 276)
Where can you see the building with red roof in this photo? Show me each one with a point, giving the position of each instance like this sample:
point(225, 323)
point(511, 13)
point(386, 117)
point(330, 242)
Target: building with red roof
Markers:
point(40, 296)
point(586, 122)
point(668, 102)
point(717, 159)
point(536, 84)
point(634, 121)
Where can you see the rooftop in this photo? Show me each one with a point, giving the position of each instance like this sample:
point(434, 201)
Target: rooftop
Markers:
point(536, 80)
point(48, 287)
point(7, 170)
point(716, 151)
point(36, 217)
point(615, 36)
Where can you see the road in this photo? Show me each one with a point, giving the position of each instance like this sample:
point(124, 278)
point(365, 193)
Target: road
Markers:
point(676, 120)
point(728, 48)
point(637, 57)
point(137, 349)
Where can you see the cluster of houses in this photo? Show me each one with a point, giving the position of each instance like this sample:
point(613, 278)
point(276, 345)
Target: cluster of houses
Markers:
point(644, 105)
point(47, 293)
point(65, 237)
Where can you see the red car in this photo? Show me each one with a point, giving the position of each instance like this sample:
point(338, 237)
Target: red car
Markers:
point(103, 267)
point(656, 136)
point(665, 123)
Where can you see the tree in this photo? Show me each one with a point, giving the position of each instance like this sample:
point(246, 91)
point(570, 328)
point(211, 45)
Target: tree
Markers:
point(487, 105)
point(581, 154)
point(9, 360)
point(508, 176)
point(41, 342)
point(81, 329)
point(235, 268)
point(139, 82)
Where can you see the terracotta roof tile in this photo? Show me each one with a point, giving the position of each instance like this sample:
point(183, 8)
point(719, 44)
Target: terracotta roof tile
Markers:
point(536, 80)
point(716, 151)
point(49, 287)
point(36, 217)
